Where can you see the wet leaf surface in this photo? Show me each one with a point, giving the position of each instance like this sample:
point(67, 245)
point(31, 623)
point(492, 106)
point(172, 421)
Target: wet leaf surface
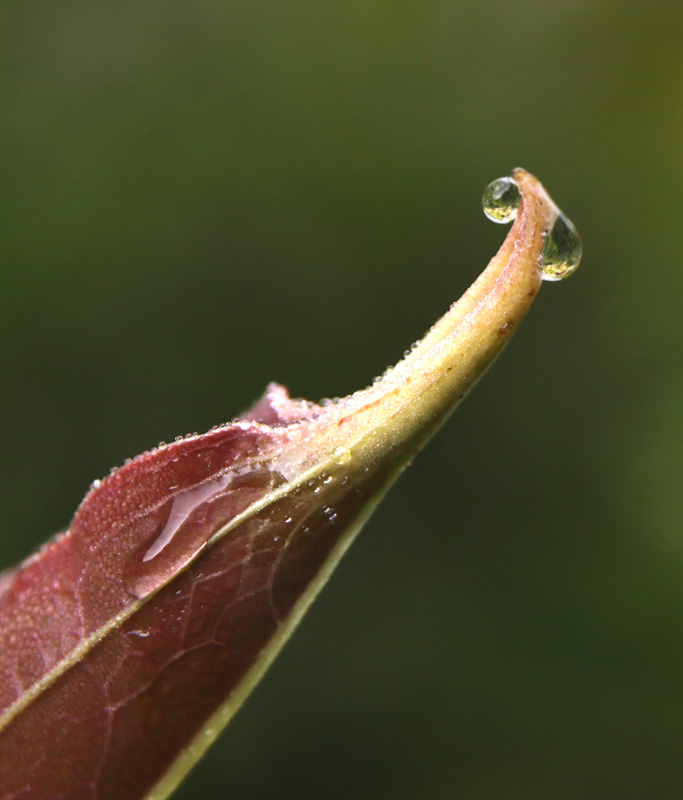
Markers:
point(129, 641)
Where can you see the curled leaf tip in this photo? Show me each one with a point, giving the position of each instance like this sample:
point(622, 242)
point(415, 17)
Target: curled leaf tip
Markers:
point(143, 627)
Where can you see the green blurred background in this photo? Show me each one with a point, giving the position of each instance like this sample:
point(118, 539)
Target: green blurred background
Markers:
point(199, 197)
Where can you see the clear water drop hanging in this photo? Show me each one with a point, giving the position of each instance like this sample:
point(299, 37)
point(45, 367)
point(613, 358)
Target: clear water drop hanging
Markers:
point(501, 200)
point(562, 250)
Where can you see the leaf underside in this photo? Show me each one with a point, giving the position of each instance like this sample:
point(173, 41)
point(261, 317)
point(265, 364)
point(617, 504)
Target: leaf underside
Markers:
point(129, 641)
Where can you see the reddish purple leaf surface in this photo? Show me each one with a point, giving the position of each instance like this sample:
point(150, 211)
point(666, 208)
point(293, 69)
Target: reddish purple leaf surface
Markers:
point(129, 641)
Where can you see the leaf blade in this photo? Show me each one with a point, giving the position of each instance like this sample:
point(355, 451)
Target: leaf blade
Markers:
point(186, 570)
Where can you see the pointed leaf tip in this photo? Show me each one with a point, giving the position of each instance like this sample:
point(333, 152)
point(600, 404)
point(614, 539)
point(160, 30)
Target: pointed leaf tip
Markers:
point(142, 628)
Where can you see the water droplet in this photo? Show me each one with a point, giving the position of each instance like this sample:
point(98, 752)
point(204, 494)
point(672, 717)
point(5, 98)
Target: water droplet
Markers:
point(343, 455)
point(180, 535)
point(562, 250)
point(184, 503)
point(501, 200)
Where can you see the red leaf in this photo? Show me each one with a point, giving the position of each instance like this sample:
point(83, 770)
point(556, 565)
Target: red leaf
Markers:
point(130, 640)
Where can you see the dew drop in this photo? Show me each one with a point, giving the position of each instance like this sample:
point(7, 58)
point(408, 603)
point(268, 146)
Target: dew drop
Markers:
point(184, 504)
point(343, 455)
point(179, 528)
point(501, 200)
point(562, 250)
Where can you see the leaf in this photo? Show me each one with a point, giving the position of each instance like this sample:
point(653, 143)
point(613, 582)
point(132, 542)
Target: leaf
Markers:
point(131, 639)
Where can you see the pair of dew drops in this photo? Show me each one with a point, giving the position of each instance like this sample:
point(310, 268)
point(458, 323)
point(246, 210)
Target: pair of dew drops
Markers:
point(562, 250)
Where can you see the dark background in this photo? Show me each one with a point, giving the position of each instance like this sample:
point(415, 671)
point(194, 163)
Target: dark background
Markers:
point(199, 197)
